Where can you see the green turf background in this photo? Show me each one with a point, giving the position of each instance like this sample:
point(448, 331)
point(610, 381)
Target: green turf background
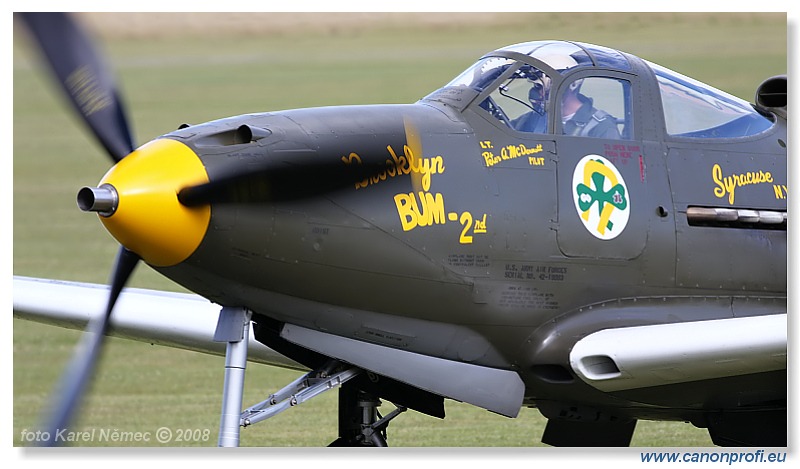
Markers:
point(201, 71)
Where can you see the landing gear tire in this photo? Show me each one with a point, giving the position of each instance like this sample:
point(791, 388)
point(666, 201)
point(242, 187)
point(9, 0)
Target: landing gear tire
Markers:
point(360, 423)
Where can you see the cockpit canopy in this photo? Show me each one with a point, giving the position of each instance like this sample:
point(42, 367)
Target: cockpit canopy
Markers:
point(517, 85)
point(559, 55)
point(695, 110)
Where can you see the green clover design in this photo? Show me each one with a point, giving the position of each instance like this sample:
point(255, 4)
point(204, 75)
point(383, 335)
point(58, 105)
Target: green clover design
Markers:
point(588, 196)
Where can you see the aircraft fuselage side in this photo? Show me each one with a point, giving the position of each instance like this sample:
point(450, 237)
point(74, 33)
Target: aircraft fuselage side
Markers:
point(470, 241)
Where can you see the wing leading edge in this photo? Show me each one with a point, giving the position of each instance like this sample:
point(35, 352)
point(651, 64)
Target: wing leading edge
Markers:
point(170, 319)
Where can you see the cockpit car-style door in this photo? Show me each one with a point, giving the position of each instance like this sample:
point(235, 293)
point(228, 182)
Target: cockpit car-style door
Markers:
point(602, 182)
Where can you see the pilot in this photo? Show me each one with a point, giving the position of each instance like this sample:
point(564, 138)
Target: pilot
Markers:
point(580, 118)
point(536, 120)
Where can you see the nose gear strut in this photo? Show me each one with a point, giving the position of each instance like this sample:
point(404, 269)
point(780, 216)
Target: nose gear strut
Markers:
point(360, 423)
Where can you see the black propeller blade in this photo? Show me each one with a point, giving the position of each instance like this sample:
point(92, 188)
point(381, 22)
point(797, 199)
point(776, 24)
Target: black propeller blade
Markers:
point(84, 77)
point(81, 368)
point(279, 181)
point(91, 88)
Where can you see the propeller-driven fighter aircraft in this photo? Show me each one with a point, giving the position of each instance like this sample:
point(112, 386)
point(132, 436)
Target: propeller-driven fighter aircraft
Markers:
point(562, 226)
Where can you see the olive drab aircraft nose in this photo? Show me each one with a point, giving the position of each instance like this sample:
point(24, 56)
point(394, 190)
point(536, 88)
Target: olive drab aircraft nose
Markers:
point(137, 201)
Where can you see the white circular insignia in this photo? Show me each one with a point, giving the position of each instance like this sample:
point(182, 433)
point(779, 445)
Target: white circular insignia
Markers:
point(601, 197)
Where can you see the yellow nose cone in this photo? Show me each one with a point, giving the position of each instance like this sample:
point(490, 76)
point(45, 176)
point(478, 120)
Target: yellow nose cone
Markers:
point(149, 220)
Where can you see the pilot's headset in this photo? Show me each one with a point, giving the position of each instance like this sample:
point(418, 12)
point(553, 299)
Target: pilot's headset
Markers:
point(537, 96)
point(539, 88)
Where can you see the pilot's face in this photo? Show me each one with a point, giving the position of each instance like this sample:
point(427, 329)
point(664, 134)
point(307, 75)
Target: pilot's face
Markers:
point(538, 94)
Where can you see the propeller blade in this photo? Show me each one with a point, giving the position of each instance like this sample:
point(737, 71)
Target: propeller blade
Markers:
point(84, 77)
point(81, 368)
point(279, 182)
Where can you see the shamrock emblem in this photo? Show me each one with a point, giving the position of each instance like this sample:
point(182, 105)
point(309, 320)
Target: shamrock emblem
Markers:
point(596, 182)
point(588, 196)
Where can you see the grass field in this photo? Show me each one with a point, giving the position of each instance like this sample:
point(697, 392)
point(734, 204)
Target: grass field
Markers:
point(205, 68)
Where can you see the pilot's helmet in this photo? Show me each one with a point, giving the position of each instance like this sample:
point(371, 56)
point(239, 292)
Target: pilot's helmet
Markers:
point(562, 62)
point(538, 93)
point(539, 86)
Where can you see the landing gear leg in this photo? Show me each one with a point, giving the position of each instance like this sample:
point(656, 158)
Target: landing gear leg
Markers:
point(360, 423)
point(233, 327)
